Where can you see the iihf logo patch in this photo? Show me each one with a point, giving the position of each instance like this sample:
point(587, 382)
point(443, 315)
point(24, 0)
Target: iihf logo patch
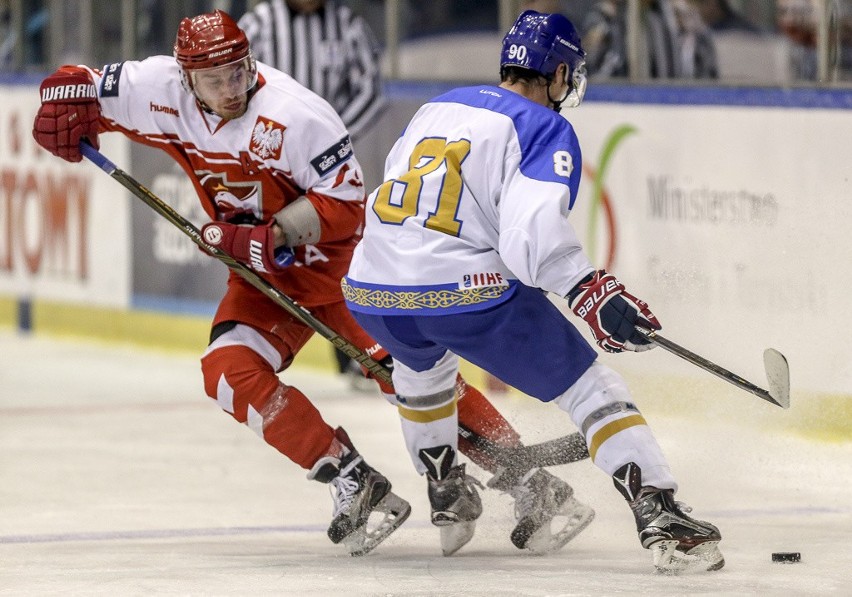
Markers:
point(483, 280)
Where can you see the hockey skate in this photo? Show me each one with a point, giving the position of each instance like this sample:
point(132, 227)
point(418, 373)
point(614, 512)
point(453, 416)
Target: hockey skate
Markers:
point(543, 503)
point(677, 541)
point(359, 491)
point(453, 496)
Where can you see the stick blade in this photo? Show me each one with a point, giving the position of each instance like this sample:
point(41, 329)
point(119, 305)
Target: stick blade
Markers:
point(778, 375)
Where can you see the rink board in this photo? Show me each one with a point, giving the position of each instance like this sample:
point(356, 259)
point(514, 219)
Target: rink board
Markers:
point(729, 218)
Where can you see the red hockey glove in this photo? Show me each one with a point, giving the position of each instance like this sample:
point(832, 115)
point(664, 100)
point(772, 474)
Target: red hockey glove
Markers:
point(69, 111)
point(252, 245)
point(612, 313)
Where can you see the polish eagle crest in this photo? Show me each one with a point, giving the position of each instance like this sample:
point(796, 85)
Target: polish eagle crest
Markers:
point(267, 137)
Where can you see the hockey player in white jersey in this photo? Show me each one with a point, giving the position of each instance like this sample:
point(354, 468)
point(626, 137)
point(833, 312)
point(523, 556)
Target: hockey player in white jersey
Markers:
point(273, 167)
point(470, 225)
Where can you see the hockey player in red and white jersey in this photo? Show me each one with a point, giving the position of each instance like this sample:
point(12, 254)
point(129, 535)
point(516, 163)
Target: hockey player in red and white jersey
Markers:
point(273, 166)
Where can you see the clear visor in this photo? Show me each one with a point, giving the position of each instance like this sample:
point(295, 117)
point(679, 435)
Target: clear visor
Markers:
point(578, 86)
point(223, 82)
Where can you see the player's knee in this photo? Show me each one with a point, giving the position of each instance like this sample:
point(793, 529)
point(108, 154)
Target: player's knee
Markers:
point(427, 408)
point(598, 401)
point(238, 366)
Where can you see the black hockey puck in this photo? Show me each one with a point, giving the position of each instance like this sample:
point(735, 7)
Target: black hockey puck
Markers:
point(787, 557)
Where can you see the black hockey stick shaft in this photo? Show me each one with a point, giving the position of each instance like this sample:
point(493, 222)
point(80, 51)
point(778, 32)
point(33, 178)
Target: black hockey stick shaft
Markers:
point(278, 297)
point(562, 450)
point(780, 396)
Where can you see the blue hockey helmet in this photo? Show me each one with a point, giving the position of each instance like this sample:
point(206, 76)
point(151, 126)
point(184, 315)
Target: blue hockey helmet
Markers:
point(540, 42)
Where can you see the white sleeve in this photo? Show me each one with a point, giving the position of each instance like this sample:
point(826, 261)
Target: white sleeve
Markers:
point(126, 90)
point(325, 149)
point(537, 242)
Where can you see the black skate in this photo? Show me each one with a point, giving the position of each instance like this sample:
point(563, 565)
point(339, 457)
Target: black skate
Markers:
point(452, 494)
point(543, 503)
point(678, 542)
point(359, 491)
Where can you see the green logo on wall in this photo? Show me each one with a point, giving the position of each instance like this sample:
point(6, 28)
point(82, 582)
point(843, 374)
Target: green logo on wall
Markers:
point(600, 201)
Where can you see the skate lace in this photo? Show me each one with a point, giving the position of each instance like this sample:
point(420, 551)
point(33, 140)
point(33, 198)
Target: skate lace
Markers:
point(343, 492)
point(686, 509)
point(525, 501)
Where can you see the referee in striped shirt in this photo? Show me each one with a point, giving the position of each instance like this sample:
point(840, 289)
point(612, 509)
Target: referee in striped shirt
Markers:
point(325, 47)
point(331, 51)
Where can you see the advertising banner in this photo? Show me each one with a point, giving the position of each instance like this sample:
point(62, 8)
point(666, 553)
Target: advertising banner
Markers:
point(169, 271)
point(63, 226)
point(731, 222)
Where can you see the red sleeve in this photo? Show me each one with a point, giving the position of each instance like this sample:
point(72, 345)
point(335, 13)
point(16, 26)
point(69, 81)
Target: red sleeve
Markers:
point(339, 220)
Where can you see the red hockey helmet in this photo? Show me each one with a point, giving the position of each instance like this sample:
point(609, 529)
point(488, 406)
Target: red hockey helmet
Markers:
point(216, 62)
point(209, 40)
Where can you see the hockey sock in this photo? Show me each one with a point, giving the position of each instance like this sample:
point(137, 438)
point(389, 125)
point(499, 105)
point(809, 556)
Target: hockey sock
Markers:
point(244, 385)
point(600, 404)
point(293, 426)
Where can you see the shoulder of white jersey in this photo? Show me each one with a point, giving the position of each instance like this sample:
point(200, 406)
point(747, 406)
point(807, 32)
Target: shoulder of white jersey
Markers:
point(156, 72)
point(544, 136)
point(292, 96)
point(321, 137)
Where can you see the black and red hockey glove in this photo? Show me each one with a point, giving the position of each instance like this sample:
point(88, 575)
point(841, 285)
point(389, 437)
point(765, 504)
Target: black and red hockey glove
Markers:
point(612, 313)
point(251, 245)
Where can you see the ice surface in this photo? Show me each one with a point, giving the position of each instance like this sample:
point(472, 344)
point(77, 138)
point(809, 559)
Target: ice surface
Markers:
point(119, 477)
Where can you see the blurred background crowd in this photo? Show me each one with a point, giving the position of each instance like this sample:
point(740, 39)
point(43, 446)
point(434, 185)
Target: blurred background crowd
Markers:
point(743, 42)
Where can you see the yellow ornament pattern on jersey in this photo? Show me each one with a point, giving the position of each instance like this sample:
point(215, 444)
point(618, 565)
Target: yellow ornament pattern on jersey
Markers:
point(407, 300)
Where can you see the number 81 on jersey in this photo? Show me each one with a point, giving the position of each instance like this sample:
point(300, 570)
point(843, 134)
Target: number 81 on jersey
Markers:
point(399, 199)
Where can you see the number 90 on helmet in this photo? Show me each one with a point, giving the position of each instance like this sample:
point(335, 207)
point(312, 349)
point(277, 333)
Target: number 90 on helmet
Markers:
point(540, 42)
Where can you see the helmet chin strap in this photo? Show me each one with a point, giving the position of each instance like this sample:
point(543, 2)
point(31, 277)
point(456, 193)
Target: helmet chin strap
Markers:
point(557, 104)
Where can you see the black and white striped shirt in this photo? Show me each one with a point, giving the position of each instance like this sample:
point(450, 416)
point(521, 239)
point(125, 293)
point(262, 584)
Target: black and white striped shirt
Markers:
point(331, 51)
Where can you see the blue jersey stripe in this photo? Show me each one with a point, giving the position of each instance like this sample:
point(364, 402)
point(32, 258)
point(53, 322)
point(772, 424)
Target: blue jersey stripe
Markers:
point(546, 138)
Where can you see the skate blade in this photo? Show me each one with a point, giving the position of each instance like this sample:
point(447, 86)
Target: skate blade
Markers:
point(573, 518)
point(391, 512)
point(456, 535)
point(705, 557)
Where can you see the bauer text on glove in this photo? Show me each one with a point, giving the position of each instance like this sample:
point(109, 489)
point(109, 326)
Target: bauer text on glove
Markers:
point(612, 313)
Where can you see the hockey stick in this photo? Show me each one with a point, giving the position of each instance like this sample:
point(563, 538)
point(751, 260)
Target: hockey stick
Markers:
point(515, 462)
point(279, 298)
point(289, 305)
point(562, 450)
point(777, 370)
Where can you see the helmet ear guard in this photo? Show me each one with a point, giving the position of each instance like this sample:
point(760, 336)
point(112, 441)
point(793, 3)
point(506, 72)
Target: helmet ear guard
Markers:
point(540, 42)
point(578, 86)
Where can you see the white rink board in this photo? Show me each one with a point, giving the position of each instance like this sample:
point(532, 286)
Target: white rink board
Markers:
point(64, 228)
point(726, 281)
